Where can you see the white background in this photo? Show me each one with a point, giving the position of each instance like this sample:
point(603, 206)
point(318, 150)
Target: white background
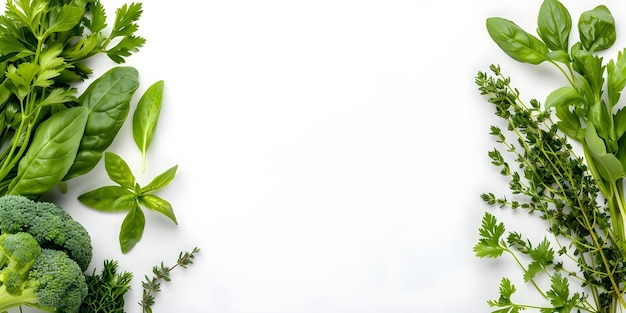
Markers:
point(331, 153)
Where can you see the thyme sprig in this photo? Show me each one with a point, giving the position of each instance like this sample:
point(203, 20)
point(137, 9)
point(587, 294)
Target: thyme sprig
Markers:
point(152, 285)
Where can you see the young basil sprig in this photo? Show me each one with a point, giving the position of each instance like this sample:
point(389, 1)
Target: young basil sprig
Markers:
point(587, 108)
point(129, 196)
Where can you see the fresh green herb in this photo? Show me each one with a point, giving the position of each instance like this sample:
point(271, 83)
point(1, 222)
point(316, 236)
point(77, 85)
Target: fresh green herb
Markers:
point(106, 290)
point(43, 253)
point(44, 49)
point(129, 196)
point(580, 198)
point(152, 285)
point(146, 117)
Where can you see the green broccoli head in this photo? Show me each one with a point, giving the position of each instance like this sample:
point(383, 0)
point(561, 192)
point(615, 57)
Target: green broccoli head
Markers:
point(57, 281)
point(42, 278)
point(18, 254)
point(49, 224)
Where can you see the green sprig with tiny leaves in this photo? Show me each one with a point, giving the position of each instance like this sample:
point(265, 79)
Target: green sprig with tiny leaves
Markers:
point(161, 272)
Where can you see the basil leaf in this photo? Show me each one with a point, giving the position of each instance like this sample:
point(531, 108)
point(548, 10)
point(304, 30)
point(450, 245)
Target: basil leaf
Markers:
point(51, 153)
point(517, 43)
point(108, 100)
point(118, 170)
point(161, 181)
point(597, 29)
point(132, 228)
point(554, 24)
point(158, 204)
point(146, 117)
point(104, 198)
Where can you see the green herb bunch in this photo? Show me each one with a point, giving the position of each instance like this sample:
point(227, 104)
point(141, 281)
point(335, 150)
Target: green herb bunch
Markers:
point(44, 49)
point(580, 198)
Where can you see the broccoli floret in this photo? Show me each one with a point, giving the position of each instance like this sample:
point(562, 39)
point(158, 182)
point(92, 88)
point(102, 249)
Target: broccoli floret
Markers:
point(52, 227)
point(18, 253)
point(54, 283)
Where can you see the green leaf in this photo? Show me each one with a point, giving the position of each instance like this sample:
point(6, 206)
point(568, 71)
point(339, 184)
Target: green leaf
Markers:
point(554, 24)
point(125, 26)
point(161, 180)
point(118, 170)
point(146, 117)
point(504, 301)
point(67, 17)
point(125, 20)
point(51, 153)
point(590, 67)
point(489, 244)
point(104, 198)
point(132, 229)
point(597, 29)
point(564, 96)
point(97, 17)
point(108, 100)
point(616, 75)
point(542, 256)
point(516, 42)
point(620, 122)
point(125, 47)
point(157, 204)
point(559, 291)
point(608, 165)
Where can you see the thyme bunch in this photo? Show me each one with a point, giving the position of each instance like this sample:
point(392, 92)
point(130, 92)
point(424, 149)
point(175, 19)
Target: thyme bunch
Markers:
point(550, 181)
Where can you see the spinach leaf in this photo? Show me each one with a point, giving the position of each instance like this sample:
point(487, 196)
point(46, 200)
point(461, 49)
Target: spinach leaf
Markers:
point(108, 100)
point(52, 152)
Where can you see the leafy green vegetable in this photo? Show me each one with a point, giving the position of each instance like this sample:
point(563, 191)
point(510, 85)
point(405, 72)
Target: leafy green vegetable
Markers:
point(44, 50)
point(52, 151)
point(108, 102)
point(146, 117)
point(129, 196)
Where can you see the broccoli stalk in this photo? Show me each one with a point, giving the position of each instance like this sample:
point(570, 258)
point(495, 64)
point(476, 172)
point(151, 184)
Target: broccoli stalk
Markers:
point(9, 301)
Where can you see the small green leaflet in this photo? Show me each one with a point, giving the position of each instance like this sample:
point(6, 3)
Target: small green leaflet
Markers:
point(146, 117)
point(490, 244)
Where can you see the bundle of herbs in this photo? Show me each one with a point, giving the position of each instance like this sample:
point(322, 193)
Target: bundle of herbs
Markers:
point(570, 160)
point(49, 134)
